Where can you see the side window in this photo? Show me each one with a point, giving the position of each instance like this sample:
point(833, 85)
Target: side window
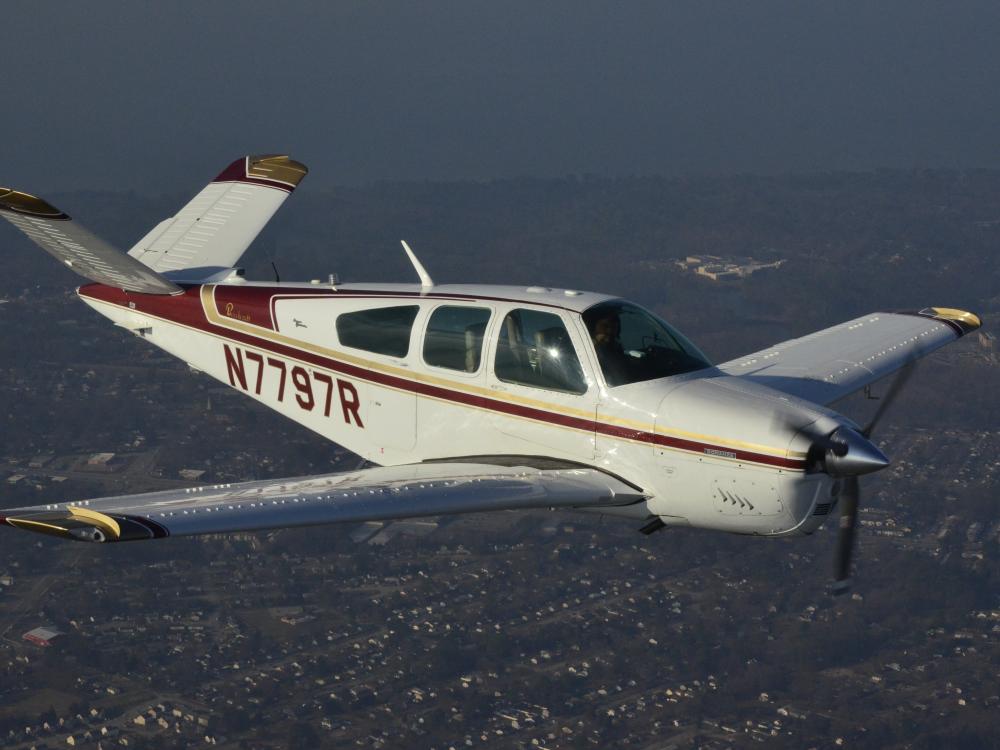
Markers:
point(455, 337)
point(384, 330)
point(534, 349)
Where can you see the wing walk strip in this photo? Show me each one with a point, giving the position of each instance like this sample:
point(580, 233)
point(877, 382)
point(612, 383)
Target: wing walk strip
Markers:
point(230, 331)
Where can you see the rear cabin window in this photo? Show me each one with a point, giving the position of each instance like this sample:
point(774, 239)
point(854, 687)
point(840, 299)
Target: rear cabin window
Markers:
point(384, 330)
point(454, 337)
point(534, 349)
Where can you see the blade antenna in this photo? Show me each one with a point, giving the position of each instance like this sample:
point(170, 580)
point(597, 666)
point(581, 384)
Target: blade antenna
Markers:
point(425, 278)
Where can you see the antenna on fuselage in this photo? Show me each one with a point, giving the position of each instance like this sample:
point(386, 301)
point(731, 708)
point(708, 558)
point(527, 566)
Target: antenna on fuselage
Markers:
point(425, 278)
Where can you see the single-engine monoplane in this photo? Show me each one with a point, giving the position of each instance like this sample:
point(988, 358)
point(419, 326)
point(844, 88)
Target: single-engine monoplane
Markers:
point(476, 398)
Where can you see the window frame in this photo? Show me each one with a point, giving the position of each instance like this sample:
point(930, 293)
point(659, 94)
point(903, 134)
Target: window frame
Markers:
point(569, 322)
point(595, 360)
point(368, 307)
point(487, 335)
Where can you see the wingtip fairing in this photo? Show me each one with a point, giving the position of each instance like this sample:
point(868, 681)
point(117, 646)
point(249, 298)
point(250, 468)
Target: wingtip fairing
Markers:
point(272, 170)
point(29, 205)
point(967, 321)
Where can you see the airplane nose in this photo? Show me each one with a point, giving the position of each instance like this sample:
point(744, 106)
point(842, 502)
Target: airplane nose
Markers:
point(850, 454)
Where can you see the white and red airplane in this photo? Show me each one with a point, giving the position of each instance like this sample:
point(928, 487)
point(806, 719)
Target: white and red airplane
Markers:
point(476, 398)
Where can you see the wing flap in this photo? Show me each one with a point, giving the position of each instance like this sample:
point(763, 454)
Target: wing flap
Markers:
point(377, 494)
point(71, 244)
point(828, 365)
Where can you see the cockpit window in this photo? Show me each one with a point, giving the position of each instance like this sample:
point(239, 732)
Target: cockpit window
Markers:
point(632, 345)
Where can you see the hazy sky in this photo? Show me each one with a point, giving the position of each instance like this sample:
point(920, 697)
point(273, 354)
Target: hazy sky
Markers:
point(162, 95)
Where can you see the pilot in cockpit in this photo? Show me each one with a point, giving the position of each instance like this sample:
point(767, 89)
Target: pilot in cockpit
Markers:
point(605, 331)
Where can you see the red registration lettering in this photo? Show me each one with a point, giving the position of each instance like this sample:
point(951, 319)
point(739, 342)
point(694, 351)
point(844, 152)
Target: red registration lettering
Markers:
point(300, 379)
point(305, 396)
point(254, 357)
point(280, 366)
point(322, 377)
point(235, 367)
point(349, 402)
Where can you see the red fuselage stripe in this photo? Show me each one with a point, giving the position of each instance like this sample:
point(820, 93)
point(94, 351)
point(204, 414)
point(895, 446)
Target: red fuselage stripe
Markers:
point(181, 312)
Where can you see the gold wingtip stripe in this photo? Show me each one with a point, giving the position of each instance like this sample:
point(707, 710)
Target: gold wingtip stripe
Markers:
point(39, 526)
point(62, 522)
point(30, 205)
point(962, 317)
point(106, 523)
point(277, 167)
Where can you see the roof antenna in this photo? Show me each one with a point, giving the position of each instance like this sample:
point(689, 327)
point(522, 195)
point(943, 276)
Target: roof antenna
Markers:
point(426, 282)
point(277, 278)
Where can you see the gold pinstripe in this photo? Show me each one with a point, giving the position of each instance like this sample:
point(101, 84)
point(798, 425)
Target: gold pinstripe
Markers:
point(40, 526)
point(212, 314)
point(491, 394)
point(53, 522)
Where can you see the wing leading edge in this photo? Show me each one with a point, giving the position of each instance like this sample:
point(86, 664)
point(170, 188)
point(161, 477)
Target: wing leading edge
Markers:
point(828, 365)
point(377, 494)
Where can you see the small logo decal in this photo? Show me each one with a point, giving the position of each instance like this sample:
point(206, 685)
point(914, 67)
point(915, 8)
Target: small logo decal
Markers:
point(232, 312)
point(717, 452)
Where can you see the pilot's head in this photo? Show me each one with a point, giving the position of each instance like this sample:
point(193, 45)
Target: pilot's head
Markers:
point(606, 329)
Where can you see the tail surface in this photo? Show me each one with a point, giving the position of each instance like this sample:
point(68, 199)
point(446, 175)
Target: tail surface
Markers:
point(216, 227)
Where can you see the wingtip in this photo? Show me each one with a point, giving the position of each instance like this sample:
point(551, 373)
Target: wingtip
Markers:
point(961, 322)
point(17, 202)
point(276, 170)
point(967, 321)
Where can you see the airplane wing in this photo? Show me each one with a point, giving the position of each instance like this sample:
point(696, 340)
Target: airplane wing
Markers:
point(375, 494)
point(89, 256)
point(216, 227)
point(828, 365)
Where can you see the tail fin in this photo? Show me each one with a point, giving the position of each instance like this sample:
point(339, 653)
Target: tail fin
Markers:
point(213, 231)
point(89, 256)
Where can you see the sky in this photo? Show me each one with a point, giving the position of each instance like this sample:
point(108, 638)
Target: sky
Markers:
point(159, 96)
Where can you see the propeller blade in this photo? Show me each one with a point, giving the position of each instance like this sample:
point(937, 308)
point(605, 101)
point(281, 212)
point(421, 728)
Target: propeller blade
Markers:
point(894, 390)
point(850, 493)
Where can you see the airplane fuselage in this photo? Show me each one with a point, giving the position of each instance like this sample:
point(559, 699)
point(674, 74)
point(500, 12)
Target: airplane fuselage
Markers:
point(400, 374)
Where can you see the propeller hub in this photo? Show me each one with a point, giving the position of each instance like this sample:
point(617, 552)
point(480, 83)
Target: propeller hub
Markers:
point(851, 454)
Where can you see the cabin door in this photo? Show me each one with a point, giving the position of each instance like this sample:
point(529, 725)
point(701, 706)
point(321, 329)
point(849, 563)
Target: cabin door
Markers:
point(545, 399)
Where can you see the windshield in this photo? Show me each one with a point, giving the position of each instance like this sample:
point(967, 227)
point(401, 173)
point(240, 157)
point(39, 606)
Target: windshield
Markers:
point(633, 345)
